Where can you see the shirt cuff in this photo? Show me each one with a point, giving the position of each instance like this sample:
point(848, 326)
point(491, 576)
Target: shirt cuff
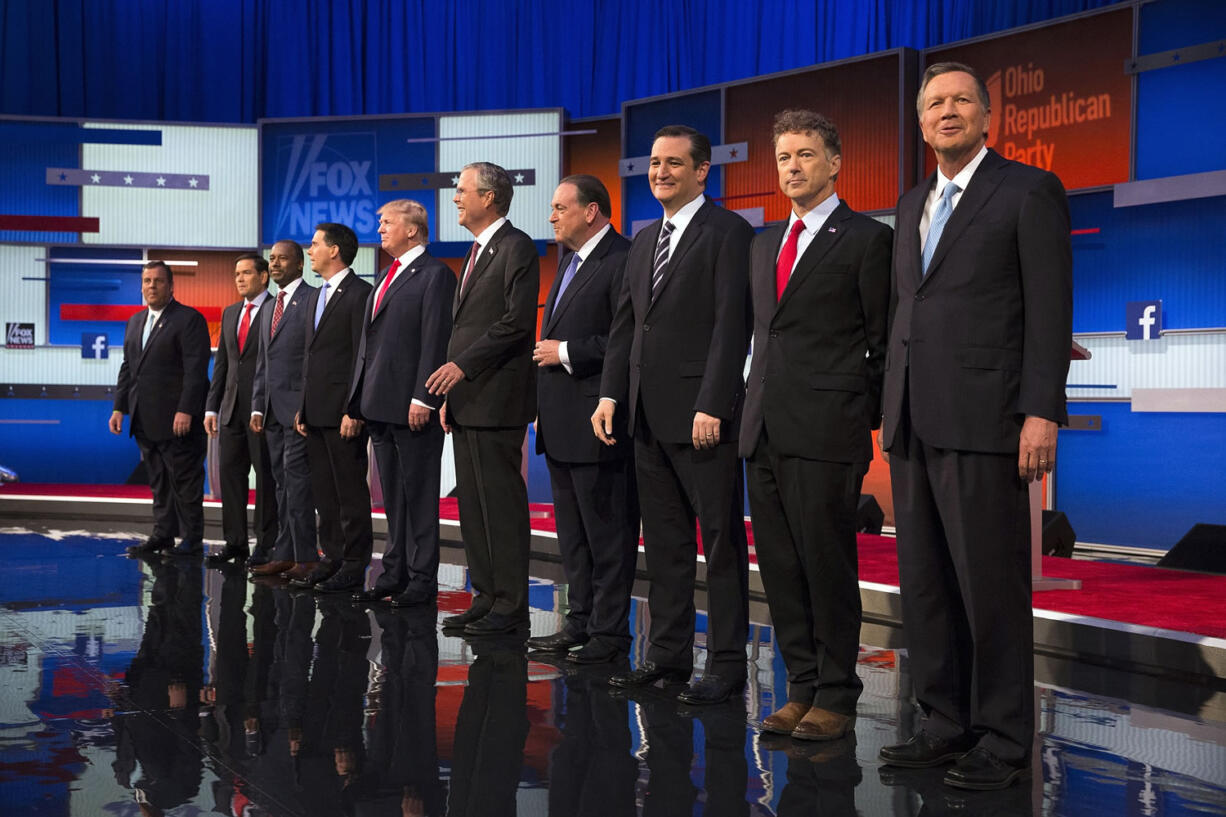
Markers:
point(564, 357)
point(210, 414)
point(257, 414)
point(417, 402)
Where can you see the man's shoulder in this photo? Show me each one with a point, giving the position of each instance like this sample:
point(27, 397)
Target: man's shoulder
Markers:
point(870, 225)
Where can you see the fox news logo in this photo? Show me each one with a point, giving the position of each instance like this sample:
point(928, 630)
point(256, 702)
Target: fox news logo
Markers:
point(19, 335)
point(326, 177)
point(1144, 320)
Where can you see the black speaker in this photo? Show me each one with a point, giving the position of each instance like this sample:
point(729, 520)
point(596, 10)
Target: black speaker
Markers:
point(1202, 548)
point(869, 516)
point(1058, 535)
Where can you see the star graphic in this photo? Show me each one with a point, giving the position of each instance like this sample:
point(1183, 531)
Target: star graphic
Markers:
point(192, 181)
point(161, 180)
point(455, 180)
point(629, 167)
point(95, 178)
point(127, 179)
point(519, 178)
point(732, 153)
point(63, 177)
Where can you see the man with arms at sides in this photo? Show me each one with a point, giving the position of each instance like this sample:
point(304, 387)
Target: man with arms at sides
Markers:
point(974, 390)
point(821, 299)
point(594, 496)
point(490, 384)
point(673, 369)
point(404, 339)
point(336, 442)
point(228, 415)
point(276, 395)
point(162, 383)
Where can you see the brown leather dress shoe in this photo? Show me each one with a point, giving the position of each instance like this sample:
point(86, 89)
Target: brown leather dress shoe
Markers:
point(271, 568)
point(783, 720)
point(300, 570)
point(822, 724)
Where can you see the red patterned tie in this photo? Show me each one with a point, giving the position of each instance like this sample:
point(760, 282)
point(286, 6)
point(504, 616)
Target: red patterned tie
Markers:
point(244, 327)
point(387, 282)
point(787, 259)
point(277, 312)
point(472, 262)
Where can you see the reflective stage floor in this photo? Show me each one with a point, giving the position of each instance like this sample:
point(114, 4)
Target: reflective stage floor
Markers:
point(158, 686)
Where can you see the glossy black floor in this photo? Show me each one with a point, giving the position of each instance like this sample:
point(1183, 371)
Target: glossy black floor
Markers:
point(159, 687)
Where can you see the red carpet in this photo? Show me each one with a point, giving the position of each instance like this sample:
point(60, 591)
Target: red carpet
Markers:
point(1134, 594)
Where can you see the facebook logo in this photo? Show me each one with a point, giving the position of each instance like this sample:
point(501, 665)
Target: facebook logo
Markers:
point(93, 346)
point(1144, 320)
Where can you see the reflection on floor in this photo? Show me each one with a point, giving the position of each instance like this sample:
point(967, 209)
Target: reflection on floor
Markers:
point(157, 686)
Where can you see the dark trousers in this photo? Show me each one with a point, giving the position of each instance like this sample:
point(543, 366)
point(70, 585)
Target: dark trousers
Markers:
point(491, 730)
point(804, 525)
point(295, 507)
point(964, 566)
point(493, 504)
point(240, 450)
point(597, 511)
point(409, 470)
point(342, 495)
point(677, 485)
point(176, 475)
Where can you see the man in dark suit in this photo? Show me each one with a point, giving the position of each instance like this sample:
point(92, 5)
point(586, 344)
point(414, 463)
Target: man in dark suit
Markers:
point(276, 395)
point(974, 390)
point(336, 442)
point(821, 299)
point(595, 501)
point(228, 415)
point(490, 384)
point(405, 331)
point(674, 369)
point(162, 383)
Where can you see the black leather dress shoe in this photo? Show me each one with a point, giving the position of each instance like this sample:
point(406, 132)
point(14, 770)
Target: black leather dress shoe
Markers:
point(414, 597)
point(594, 652)
point(188, 547)
point(235, 553)
point(648, 673)
point(711, 689)
point(980, 770)
point(495, 624)
point(374, 594)
point(345, 580)
point(150, 545)
point(460, 620)
point(925, 749)
point(558, 642)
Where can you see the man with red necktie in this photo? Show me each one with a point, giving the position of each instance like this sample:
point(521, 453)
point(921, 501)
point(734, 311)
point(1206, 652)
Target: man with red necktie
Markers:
point(228, 414)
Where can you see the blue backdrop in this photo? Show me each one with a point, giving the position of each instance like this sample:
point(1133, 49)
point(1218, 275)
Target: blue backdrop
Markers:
point(239, 60)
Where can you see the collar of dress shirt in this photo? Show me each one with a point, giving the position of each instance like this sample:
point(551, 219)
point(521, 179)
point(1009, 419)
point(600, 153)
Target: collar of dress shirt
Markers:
point(590, 245)
point(682, 218)
point(411, 255)
point(258, 300)
point(962, 178)
point(485, 235)
point(291, 287)
point(815, 218)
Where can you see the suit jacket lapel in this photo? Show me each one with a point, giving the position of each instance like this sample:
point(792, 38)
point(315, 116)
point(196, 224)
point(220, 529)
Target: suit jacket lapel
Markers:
point(763, 282)
point(827, 236)
point(290, 303)
point(487, 254)
point(688, 238)
point(337, 294)
point(397, 282)
point(157, 331)
point(583, 276)
point(982, 185)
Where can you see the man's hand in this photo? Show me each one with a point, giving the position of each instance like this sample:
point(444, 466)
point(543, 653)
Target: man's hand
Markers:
point(299, 426)
point(116, 422)
point(885, 455)
point(444, 378)
point(546, 353)
point(182, 423)
point(1036, 451)
point(442, 418)
point(350, 428)
point(602, 421)
point(706, 430)
point(419, 416)
point(257, 423)
point(210, 424)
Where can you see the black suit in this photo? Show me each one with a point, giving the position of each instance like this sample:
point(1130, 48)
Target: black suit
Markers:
point(277, 394)
point(977, 344)
point(338, 466)
point(594, 497)
point(401, 345)
point(239, 447)
point(813, 396)
point(670, 357)
point(494, 317)
point(171, 374)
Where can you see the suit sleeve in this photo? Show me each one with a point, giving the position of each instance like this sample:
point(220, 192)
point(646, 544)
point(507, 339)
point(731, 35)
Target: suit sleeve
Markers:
point(1046, 259)
point(221, 363)
point(615, 376)
point(259, 382)
point(514, 329)
point(123, 385)
point(354, 406)
point(435, 331)
point(587, 353)
point(357, 319)
point(875, 295)
point(722, 379)
point(194, 348)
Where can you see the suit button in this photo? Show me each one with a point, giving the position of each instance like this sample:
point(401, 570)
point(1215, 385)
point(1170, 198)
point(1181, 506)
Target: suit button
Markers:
point(774, 334)
point(906, 341)
point(763, 378)
point(646, 327)
point(919, 297)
